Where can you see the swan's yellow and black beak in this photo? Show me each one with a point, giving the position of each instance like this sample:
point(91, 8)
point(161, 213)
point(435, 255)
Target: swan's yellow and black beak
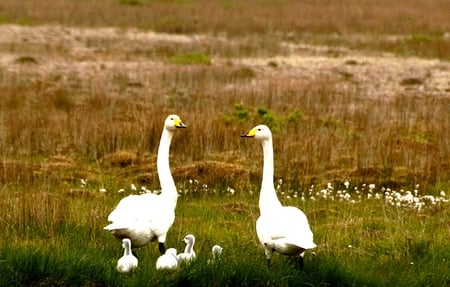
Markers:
point(179, 123)
point(249, 134)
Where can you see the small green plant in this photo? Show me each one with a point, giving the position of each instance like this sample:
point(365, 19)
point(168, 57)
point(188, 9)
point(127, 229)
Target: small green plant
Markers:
point(240, 114)
point(295, 116)
point(269, 119)
point(421, 38)
point(197, 58)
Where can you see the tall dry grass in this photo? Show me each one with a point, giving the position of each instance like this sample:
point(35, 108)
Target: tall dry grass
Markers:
point(329, 22)
point(321, 132)
point(399, 17)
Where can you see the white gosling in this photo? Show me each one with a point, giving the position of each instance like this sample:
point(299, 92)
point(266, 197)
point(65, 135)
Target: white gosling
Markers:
point(282, 229)
point(128, 262)
point(167, 261)
point(189, 253)
point(216, 252)
point(148, 217)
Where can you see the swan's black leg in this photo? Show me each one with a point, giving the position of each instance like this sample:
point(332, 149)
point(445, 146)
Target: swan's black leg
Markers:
point(161, 247)
point(300, 262)
point(297, 260)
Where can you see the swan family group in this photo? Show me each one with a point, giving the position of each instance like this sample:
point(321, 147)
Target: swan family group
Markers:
point(140, 219)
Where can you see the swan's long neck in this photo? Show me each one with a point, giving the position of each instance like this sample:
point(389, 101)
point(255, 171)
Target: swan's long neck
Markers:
point(168, 188)
point(268, 198)
point(189, 247)
point(127, 248)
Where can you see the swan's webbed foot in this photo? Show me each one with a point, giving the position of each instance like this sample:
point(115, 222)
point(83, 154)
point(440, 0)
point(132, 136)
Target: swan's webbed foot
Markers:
point(161, 247)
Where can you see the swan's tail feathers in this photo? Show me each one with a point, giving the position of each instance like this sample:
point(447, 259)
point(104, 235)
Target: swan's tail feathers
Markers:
point(114, 226)
point(309, 245)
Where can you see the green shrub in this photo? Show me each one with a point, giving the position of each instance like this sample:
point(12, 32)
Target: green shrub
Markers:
point(190, 59)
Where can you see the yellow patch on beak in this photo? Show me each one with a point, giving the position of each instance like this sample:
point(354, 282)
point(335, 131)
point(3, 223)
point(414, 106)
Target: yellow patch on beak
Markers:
point(250, 134)
point(178, 123)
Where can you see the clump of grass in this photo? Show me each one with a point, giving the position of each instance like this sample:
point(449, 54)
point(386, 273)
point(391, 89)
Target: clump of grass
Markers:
point(190, 59)
point(131, 2)
point(368, 236)
point(26, 60)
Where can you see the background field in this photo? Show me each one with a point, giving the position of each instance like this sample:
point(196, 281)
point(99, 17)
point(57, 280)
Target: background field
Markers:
point(355, 91)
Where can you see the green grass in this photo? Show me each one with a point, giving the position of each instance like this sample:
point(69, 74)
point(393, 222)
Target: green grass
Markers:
point(57, 240)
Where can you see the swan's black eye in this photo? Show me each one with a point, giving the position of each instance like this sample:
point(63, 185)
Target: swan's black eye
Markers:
point(259, 129)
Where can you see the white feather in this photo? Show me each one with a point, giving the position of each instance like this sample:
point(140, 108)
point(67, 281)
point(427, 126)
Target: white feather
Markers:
point(284, 229)
point(167, 261)
point(148, 217)
point(128, 261)
point(216, 251)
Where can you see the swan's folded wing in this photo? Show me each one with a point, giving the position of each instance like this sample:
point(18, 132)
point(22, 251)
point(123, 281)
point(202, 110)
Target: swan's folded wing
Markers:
point(288, 226)
point(135, 207)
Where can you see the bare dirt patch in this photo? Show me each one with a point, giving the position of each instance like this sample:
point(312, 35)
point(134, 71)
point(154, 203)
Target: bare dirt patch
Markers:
point(90, 52)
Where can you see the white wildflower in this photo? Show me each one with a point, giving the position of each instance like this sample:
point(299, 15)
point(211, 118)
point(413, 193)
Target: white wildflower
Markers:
point(346, 184)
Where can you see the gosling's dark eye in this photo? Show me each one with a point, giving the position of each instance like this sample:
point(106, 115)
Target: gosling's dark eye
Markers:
point(259, 129)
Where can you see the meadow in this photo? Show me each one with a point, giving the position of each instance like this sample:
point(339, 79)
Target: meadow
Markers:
point(357, 95)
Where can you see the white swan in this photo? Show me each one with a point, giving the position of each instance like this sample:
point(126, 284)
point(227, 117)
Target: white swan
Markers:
point(284, 229)
point(167, 261)
point(128, 261)
point(147, 217)
point(189, 253)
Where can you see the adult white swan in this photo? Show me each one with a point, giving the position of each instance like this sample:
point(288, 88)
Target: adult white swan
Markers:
point(284, 229)
point(148, 217)
point(128, 262)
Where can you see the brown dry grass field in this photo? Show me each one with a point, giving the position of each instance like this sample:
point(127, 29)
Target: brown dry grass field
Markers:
point(84, 81)
point(353, 90)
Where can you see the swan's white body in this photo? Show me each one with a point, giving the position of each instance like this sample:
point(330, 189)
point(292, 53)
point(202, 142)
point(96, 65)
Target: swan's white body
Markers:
point(189, 253)
point(148, 217)
point(128, 261)
point(284, 229)
point(167, 261)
